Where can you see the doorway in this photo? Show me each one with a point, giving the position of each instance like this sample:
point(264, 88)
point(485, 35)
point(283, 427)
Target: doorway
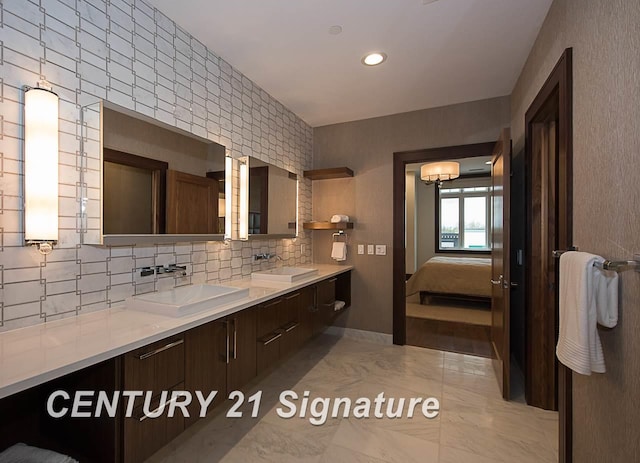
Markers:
point(548, 161)
point(401, 161)
point(495, 274)
point(448, 249)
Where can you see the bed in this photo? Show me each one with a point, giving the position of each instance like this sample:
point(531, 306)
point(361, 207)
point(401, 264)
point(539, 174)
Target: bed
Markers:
point(468, 277)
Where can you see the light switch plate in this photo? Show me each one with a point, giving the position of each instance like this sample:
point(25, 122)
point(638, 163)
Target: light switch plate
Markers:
point(381, 249)
point(370, 249)
point(361, 249)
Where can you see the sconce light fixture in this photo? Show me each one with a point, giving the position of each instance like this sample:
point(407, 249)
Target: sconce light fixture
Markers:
point(41, 167)
point(438, 172)
point(228, 179)
point(243, 232)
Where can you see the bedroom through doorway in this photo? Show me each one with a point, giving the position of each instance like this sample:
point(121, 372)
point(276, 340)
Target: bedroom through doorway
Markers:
point(448, 254)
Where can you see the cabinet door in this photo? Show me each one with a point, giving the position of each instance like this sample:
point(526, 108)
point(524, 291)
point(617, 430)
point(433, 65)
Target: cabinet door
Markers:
point(156, 367)
point(269, 334)
point(207, 354)
point(192, 203)
point(242, 365)
point(290, 323)
point(325, 298)
point(144, 436)
point(306, 308)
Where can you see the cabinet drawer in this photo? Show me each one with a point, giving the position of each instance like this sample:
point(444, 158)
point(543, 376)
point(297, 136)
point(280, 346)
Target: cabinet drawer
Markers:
point(289, 309)
point(269, 317)
point(268, 350)
point(292, 338)
point(156, 367)
point(143, 436)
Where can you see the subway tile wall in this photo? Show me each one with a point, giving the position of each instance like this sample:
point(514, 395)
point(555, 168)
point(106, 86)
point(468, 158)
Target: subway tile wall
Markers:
point(129, 53)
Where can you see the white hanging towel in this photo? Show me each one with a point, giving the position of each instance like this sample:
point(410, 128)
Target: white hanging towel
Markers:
point(339, 251)
point(588, 295)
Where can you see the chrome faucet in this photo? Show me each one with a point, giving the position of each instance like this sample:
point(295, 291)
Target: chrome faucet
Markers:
point(266, 256)
point(181, 270)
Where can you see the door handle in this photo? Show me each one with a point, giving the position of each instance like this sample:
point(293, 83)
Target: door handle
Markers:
point(498, 281)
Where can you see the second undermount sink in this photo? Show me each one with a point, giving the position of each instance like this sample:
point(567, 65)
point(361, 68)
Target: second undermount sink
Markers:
point(284, 274)
point(186, 300)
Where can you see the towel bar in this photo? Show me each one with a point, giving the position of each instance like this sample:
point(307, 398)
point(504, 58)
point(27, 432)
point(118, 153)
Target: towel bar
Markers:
point(615, 265)
point(342, 234)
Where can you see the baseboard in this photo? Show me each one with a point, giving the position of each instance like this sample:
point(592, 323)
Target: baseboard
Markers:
point(360, 335)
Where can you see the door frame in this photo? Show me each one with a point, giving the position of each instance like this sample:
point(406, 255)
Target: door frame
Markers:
point(558, 85)
point(400, 160)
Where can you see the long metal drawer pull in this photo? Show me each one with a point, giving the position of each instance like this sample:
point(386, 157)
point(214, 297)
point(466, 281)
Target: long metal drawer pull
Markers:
point(272, 303)
point(146, 355)
point(235, 339)
point(153, 412)
point(291, 326)
point(329, 303)
point(332, 280)
point(226, 327)
point(271, 339)
point(292, 296)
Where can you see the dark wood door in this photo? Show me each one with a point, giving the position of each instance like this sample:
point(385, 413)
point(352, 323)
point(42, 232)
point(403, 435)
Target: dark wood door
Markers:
point(192, 203)
point(207, 354)
point(500, 263)
point(549, 160)
point(242, 362)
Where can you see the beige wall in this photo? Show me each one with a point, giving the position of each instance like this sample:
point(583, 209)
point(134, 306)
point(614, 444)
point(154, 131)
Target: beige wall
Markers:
point(410, 223)
point(605, 37)
point(367, 147)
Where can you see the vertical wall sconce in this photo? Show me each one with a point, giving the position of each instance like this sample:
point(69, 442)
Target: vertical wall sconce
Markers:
point(228, 192)
point(41, 167)
point(243, 232)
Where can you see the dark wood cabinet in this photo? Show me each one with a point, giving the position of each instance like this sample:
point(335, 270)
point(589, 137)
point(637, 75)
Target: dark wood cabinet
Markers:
point(242, 362)
point(297, 322)
point(206, 349)
point(157, 367)
point(268, 333)
point(143, 436)
point(220, 356)
point(325, 299)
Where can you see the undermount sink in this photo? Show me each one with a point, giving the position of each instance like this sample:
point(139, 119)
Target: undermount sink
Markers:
point(284, 274)
point(186, 300)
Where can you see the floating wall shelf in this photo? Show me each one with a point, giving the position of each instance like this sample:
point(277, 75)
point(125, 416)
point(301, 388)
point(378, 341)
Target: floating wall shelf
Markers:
point(324, 174)
point(327, 225)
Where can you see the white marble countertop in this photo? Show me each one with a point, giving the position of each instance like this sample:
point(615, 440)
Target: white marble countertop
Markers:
point(36, 354)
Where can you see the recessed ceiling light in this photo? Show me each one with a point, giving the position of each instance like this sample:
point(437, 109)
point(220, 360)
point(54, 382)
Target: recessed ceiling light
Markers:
point(373, 59)
point(335, 30)
point(488, 163)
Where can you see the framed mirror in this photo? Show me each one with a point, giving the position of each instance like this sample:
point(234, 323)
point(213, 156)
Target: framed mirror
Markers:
point(269, 200)
point(157, 183)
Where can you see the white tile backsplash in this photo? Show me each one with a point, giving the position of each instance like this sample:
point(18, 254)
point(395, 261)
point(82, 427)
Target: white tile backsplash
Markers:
point(129, 53)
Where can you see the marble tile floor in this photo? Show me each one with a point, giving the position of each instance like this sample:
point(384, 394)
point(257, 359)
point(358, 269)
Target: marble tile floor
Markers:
point(474, 426)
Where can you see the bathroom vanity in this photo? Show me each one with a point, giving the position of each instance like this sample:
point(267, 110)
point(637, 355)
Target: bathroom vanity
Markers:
point(120, 349)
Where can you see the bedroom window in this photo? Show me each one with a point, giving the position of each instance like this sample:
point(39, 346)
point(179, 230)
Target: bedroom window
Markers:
point(463, 219)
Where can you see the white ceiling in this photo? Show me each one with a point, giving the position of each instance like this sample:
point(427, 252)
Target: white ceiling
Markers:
point(439, 53)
